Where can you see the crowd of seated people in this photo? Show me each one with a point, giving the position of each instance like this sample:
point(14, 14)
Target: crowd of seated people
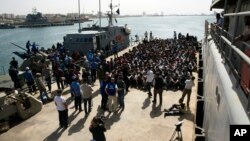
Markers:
point(174, 58)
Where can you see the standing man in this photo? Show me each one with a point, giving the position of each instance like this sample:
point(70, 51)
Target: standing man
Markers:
point(121, 91)
point(149, 80)
point(14, 63)
point(28, 47)
point(47, 72)
point(76, 91)
point(30, 80)
point(111, 91)
point(58, 73)
point(62, 109)
point(115, 50)
point(87, 96)
point(13, 72)
point(158, 87)
point(104, 95)
point(42, 89)
point(189, 83)
point(93, 67)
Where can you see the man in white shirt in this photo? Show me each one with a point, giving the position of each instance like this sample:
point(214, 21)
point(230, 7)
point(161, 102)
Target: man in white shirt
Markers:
point(189, 83)
point(62, 109)
point(149, 80)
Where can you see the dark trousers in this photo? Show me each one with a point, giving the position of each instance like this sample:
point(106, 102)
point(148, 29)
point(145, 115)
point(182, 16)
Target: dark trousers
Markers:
point(188, 93)
point(93, 75)
point(149, 84)
point(48, 81)
point(121, 98)
point(87, 105)
point(158, 91)
point(104, 101)
point(78, 102)
point(31, 85)
point(43, 96)
point(126, 80)
point(17, 84)
point(63, 118)
point(58, 82)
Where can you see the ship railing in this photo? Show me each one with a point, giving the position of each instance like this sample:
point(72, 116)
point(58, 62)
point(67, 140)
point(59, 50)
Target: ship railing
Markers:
point(2, 70)
point(233, 55)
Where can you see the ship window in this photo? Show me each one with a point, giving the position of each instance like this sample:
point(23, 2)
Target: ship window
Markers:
point(77, 39)
point(100, 36)
point(81, 40)
point(85, 39)
point(104, 36)
point(90, 39)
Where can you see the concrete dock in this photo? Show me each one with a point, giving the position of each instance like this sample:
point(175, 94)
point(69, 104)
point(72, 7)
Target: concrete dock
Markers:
point(141, 120)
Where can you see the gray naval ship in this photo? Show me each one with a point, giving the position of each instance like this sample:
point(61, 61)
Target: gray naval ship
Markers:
point(224, 80)
point(98, 37)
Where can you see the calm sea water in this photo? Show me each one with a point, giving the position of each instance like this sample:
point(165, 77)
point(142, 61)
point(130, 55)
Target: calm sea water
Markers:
point(161, 27)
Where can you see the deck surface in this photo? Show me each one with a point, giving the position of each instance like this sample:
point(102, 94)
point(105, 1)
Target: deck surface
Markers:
point(140, 120)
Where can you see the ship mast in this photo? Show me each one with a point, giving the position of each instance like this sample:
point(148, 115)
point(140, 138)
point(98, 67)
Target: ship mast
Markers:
point(100, 15)
point(110, 15)
point(79, 30)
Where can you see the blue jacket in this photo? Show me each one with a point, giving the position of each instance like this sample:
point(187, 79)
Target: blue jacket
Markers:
point(111, 89)
point(103, 86)
point(28, 76)
point(75, 88)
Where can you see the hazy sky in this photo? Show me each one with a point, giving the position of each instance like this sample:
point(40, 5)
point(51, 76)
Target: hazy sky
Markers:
point(23, 7)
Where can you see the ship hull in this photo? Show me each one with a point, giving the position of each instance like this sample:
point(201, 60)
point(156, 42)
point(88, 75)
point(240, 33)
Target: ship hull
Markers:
point(224, 101)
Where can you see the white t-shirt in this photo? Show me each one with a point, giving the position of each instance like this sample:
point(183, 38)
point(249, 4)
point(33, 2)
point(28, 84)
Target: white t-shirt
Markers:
point(150, 76)
point(189, 84)
point(60, 103)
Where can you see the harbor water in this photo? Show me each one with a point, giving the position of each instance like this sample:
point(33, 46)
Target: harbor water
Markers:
point(161, 27)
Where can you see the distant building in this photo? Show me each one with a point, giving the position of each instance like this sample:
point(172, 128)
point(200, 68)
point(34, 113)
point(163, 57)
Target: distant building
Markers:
point(8, 16)
point(36, 18)
point(144, 13)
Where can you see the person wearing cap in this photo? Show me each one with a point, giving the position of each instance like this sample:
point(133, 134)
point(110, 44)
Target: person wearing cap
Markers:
point(29, 78)
point(62, 108)
point(111, 91)
point(42, 89)
point(76, 91)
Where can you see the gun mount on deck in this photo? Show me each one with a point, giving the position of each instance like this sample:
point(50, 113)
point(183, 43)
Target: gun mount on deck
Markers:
point(22, 105)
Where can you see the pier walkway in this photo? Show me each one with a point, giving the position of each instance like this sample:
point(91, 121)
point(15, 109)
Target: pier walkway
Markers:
point(140, 120)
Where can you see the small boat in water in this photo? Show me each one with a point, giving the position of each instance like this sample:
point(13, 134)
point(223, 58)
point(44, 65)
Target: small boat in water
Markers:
point(6, 26)
point(97, 37)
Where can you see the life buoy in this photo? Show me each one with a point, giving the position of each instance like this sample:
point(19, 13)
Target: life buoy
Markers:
point(118, 37)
